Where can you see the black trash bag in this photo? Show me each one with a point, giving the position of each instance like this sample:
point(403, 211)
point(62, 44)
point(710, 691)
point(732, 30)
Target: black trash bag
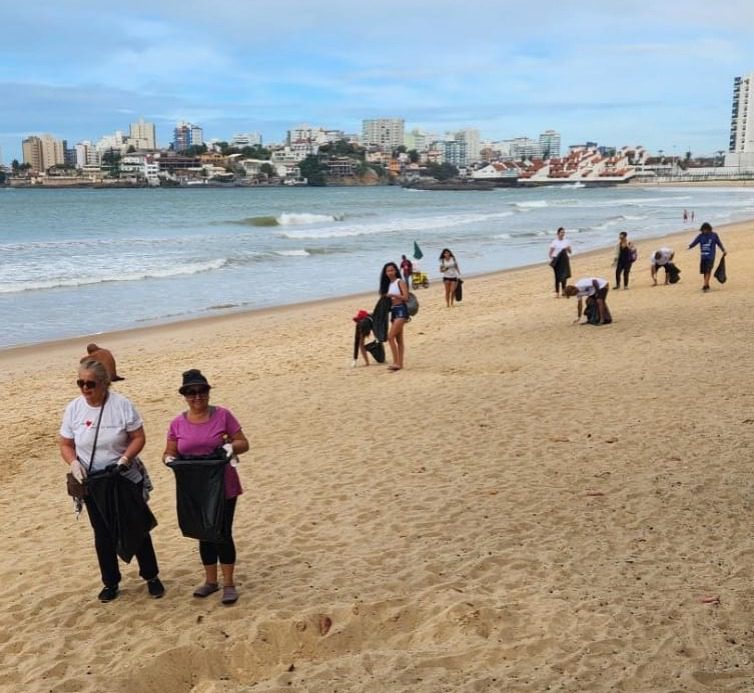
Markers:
point(674, 273)
point(381, 318)
point(592, 312)
point(124, 511)
point(200, 496)
point(458, 293)
point(720, 274)
point(561, 264)
point(377, 350)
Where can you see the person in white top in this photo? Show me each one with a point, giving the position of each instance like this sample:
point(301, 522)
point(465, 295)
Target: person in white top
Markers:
point(594, 289)
point(102, 429)
point(451, 275)
point(661, 258)
point(392, 286)
point(559, 251)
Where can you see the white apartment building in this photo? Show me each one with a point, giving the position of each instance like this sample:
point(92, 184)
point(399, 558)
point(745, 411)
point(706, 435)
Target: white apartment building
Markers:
point(470, 137)
point(741, 145)
point(86, 154)
point(418, 140)
point(549, 144)
point(386, 133)
point(116, 141)
point(246, 139)
point(142, 135)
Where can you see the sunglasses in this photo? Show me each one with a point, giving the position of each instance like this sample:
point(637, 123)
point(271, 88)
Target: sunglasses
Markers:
point(89, 384)
point(196, 392)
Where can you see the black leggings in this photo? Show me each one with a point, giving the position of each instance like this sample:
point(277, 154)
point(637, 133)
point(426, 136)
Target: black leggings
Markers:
point(560, 284)
point(225, 552)
point(106, 553)
point(625, 269)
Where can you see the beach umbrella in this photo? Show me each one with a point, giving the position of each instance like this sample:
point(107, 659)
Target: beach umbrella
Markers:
point(418, 254)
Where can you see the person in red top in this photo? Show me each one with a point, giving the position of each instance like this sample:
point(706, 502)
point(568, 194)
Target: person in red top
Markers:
point(407, 269)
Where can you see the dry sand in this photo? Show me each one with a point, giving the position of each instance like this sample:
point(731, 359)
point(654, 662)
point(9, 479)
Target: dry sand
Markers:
point(530, 505)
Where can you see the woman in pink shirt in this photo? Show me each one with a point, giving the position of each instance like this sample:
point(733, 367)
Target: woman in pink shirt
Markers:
point(200, 431)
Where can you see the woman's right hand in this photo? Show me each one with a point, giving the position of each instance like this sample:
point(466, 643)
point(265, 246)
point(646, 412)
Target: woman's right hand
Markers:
point(78, 471)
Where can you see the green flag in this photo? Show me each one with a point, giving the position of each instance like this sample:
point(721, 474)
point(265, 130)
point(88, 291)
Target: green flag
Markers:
point(418, 254)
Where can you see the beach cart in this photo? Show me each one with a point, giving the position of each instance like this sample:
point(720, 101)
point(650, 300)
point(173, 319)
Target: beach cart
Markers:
point(419, 278)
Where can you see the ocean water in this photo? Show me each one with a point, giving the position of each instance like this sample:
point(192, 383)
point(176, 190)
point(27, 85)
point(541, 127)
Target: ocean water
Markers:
point(78, 262)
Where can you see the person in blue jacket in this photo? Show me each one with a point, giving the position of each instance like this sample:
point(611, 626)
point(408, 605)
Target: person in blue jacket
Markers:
point(707, 240)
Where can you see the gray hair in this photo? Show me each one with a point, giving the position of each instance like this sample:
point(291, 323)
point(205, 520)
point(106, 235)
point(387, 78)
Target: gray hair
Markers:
point(100, 372)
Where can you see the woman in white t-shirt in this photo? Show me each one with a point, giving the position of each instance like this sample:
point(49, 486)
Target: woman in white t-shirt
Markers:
point(559, 251)
point(100, 429)
point(451, 274)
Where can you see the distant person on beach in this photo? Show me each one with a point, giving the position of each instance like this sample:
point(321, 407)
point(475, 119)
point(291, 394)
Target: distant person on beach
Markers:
point(708, 241)
point(362, 331)
point(625, 256)
point(559, 251)
point(685, 216)
point(392, 286)
point(661, 258)
point(102, 430)
point(407, 268)
point(105, 357)
point(201, 430)
point(451, 273)
point(594, 289)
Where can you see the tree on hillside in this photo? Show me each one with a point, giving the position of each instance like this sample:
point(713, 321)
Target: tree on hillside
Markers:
point(111, 161)
point(194, 150)
point(413, 156)
point(442, 171)
point(313, 170)
point(267, 169)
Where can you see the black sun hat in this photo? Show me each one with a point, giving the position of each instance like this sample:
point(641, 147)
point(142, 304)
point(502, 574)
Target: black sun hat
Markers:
point(192, 377)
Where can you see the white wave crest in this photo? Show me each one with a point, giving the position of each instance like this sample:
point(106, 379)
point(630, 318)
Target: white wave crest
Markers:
point(293, 253)
point(395, 226)
point(531, 204)
point(503, 236)
point(301, 218)
point(62, 282)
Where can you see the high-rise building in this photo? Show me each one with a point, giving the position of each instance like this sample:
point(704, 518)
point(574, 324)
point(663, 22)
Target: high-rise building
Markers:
point(187, 135)
point(417, 139)
point(142, 135)
point(549, 144)
point(86, 154)
point(470, 137)
point(455, 152)
point(386, 133)
point(741, 144)
point(42, 152)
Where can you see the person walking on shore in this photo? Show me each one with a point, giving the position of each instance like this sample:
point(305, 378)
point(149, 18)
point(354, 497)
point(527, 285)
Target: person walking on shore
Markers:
point(451, 273)
point(661, 258)
point(625, 256)
point(594, 289)
point(558, 253)
point(708, 241)
point(392, 286)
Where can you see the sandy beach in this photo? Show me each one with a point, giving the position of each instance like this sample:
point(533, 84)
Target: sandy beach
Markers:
point(531, 505)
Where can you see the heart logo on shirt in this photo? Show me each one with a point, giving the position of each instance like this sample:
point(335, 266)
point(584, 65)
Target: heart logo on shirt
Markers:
point(88, 423)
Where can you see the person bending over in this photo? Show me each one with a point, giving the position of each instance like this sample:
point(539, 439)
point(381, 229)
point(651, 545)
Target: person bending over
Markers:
point(661, 258)
point(593, 289)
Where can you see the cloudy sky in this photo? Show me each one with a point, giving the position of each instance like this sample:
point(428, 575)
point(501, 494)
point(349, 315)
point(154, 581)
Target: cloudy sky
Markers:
point(655, 72)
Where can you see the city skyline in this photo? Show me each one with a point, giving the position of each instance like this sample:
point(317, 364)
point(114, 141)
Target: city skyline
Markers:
point(660, 75)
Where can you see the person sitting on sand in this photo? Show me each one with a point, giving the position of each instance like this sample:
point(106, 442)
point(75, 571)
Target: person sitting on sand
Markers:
point(594, 289)
point(707, 240)
point(661, 258)
point(105, 357)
